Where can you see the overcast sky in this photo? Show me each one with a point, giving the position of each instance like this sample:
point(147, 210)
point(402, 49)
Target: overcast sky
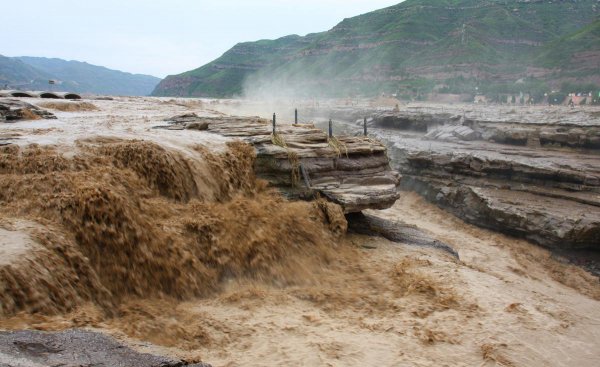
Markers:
point(160, 37)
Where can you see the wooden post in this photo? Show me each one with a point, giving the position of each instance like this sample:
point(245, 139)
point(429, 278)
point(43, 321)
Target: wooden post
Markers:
point(274, 122)
point(365, 126)
point(330, 128)
point(296, 116)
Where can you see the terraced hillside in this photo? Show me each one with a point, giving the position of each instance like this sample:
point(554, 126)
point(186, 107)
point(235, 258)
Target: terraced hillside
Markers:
point(416, 47)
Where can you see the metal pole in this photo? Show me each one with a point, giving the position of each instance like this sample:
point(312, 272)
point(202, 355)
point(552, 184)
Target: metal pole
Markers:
point(296, 116)
point(274, 122)
point(330, 128)
point(365, 126)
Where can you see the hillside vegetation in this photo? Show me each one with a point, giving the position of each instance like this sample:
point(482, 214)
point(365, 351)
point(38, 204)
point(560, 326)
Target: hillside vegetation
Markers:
point(416, 47)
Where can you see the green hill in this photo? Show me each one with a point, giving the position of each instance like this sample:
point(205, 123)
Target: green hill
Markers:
point(414, 47)
point(33, 73)
point(577, 55)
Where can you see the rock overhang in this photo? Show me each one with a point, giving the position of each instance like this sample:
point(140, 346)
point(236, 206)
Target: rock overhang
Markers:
point(302, 161)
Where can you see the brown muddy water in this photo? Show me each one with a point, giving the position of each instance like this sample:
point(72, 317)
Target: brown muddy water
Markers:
point(168, 242)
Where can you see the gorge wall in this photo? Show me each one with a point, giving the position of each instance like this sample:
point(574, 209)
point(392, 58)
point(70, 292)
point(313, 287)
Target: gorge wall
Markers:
point(532, 172)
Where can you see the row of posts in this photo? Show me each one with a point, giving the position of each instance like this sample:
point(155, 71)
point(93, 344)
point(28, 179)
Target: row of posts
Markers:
point(330, 123)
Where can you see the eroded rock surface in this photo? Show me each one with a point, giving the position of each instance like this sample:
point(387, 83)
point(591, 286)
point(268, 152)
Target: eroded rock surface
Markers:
point(550, 196)
point(550, 126)
point(301, 160)
point(75, 348)
point(513, 125)
point(13, 110)
point(369, 223)
point(533, 172)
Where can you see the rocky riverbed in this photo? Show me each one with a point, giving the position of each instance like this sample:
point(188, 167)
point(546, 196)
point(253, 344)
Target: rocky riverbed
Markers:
point(124, 243)
point(12, 110)
point(528, 171)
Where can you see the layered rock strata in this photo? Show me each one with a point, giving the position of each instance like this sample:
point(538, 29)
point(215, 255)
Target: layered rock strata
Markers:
point(548, 194)
point(549, 126)
point(532, 172)
point(302, 161)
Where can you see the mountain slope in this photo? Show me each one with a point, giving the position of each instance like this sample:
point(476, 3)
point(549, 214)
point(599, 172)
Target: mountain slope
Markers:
point(73, 76)
point(415, 46)
point(82, 77)
point(14, 72)
point(577, 55)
